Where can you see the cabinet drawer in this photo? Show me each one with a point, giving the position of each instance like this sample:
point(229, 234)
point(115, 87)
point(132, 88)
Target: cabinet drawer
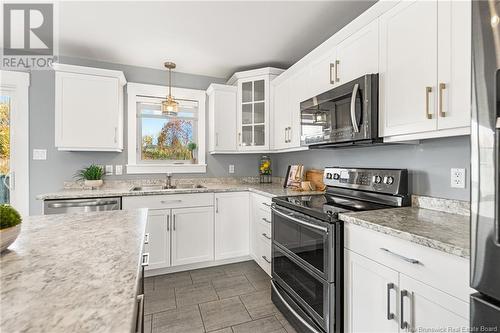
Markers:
point(262, 203)
point(262, 216)
point(166, 201)
point(264, 233)
point(264, 255)
point(441, 270)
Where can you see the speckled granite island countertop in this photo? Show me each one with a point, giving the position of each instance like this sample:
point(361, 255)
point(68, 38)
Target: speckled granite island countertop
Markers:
point(73, 273)
point(439, 230)
point(269, 190)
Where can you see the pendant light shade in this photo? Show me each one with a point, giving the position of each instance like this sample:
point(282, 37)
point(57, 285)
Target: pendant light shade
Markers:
point(170, 106)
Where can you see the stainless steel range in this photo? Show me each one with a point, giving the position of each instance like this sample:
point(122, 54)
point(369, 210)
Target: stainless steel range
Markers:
point(307, 243)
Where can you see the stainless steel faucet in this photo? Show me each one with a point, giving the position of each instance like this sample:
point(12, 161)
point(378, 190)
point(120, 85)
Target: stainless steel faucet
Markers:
point(169, 180)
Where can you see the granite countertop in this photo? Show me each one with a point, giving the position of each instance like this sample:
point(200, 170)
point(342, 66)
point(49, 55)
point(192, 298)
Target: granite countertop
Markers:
point(439, 230)
point(73, 273)
point(269, 190)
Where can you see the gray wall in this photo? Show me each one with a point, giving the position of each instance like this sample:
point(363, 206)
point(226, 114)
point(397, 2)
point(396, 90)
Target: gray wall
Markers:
point(49, 175)
point(428, 163)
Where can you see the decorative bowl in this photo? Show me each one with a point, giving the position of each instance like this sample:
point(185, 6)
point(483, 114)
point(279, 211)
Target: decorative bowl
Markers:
point(8, 236)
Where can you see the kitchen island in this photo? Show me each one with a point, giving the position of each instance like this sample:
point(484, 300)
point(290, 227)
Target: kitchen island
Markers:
point(73, 273)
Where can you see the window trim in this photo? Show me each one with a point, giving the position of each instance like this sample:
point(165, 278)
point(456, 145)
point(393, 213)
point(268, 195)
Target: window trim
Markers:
point(134, 93)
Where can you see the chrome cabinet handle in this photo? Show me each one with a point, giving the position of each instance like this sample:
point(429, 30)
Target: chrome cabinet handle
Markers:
point(404, 323)
point(116, 134)
point(140, 299)
point(216, 205)
point(146, 238)
point(266, 220)
point(354, 121)
point(266, 204)
point(145, 259)
point(174, 221)
point(428, 91)
point(168, 222)
point(390, 315)
point(337, 63)
point(442, 87)
point(410, 260)
point(170, 201)
point(265, 235)
point(216, 139)
point(239, 138)
point(332, 68)
point(267, 260)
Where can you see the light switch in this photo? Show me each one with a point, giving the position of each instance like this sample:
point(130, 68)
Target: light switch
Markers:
point(109, 170)
point(231, 168)
point(40, 154)
point(118, 169)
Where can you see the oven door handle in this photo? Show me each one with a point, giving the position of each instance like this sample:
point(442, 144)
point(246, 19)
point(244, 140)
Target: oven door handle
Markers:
point(299, 221)
point(294, 313)
point(353, 108)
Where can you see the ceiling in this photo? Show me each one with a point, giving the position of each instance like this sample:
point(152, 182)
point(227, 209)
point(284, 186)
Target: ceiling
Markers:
point(205, 38)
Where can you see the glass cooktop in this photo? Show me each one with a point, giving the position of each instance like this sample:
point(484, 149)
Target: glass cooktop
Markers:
point(326, 206)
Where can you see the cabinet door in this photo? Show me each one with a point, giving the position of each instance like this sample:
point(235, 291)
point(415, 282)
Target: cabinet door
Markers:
point(281, 102)
point(427, 309)
point(408, 62)
point(322, 73)
point(369, 296)
point(158, 227)
point(192, 235)
point(357, 55)
point(454, 64)
point(222, 118)
point(87, 112)
point(232, 225)
point(253, 113)
point(299, 92)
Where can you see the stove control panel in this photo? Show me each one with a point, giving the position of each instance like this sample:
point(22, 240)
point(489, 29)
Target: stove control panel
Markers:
point(390, 181)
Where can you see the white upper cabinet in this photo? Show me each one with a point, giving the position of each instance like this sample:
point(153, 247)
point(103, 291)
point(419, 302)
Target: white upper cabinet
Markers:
point(454, 64)
point(408, 62)
point(357, 55)
point(280, 94)
point(222, 118)
point(253, 108)
point(88, 108)
point(425, 73)
point(322, 75)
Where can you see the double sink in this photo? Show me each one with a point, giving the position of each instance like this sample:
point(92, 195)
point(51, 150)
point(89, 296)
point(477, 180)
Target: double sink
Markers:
point(165, 187)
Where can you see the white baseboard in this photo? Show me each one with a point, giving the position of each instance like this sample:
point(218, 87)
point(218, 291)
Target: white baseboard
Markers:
point(166, 270)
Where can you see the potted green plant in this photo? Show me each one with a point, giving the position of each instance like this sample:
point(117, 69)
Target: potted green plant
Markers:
point(92, 175)
point(10, 226)
point(191, 146)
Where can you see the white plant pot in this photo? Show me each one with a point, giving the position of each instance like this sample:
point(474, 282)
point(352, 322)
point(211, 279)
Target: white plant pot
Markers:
point(93, 183)
point(8, 236)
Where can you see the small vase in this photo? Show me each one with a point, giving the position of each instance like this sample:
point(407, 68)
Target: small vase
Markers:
point(93, 183)
point(8, 236)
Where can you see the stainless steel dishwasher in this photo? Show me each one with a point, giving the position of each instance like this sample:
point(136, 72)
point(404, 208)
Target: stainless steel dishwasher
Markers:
point(81, 205)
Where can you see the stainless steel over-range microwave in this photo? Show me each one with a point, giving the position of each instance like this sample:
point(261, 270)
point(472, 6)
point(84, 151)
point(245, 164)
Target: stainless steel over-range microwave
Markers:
point(343, 116)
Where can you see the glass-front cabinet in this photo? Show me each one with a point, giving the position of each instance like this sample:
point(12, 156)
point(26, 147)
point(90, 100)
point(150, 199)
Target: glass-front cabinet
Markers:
point(253, 108)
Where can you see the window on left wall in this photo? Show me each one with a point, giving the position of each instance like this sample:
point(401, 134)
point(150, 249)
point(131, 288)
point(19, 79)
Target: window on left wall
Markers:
point(159, 142)
point(166, 138)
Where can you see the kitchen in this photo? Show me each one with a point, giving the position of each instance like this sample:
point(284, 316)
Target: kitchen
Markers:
point(335, 175)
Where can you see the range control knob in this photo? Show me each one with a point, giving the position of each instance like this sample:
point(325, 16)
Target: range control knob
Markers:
point(388, 180)
point(329, 176)
point(336, 176)
point(376, 179)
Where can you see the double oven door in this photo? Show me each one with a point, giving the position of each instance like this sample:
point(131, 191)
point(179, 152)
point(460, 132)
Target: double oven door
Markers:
point(304, 264)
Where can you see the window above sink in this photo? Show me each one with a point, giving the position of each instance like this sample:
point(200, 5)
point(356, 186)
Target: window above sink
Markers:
point(157, 143)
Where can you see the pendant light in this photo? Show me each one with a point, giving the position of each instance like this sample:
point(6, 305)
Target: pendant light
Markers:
point(170, 106)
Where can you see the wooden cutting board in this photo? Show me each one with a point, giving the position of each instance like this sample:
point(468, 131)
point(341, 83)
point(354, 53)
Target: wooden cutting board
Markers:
point(316, 179)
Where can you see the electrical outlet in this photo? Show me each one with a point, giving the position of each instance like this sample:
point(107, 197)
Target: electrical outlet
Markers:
point(231, 168)
point(39, 154)
point(457, 178)
point(118, 169)
point(109, 170)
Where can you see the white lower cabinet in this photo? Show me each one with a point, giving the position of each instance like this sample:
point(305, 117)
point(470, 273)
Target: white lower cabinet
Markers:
point(158, 246)
point(392, 285)
point(231, 225)
point(369, 287)
point(192, 235)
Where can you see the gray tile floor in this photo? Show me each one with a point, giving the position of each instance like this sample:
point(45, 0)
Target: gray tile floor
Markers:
point(234, 298)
